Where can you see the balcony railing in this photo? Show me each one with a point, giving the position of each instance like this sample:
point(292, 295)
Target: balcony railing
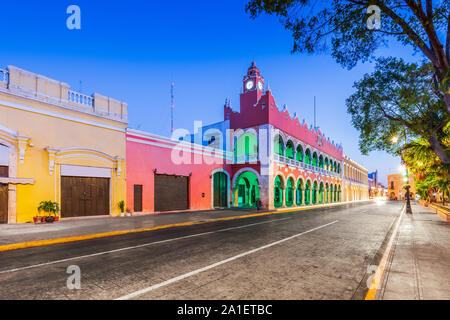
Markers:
point(305, 166)
point(80, 98)
point(246, 158)
point(3, 76)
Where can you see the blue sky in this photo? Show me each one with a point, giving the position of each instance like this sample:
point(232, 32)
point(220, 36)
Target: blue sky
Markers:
point(132, 51)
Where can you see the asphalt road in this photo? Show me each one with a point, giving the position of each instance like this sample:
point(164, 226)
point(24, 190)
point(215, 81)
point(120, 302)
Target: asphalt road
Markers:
point(321, 254)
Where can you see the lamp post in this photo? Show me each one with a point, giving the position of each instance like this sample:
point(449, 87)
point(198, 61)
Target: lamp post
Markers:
point(408, 201)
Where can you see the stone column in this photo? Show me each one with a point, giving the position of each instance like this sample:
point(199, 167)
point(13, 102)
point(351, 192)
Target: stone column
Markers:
point(283, 197)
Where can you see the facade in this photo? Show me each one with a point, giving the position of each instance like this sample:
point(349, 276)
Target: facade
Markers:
point(261, 153)
point(58, 145)
point(164, 174)
point(396, 182)
point(356, 181)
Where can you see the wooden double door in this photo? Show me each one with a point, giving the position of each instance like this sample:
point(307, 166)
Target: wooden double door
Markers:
point(3, 203)
point(84, 196)
point(171, 192)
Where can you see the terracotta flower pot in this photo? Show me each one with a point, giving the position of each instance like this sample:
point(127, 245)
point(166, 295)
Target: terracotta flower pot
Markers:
point(36, 219)
point(56, 218)
point(43, 219)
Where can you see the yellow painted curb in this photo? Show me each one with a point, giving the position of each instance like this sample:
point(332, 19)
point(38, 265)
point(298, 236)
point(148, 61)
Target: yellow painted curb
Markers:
point(40, 243)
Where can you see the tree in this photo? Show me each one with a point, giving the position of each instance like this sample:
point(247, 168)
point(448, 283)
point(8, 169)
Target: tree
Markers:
point(398, 99)
point(340, 25)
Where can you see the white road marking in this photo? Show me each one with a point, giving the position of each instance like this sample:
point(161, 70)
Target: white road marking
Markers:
point(136, 247)
point(189, 274)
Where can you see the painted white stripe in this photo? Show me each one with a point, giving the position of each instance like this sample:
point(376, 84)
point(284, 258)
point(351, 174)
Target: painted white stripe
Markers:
point(208, 154)
point(136, 247)
point(192, 273)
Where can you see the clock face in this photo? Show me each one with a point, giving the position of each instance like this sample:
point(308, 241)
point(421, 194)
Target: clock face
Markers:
point(260, 85)
point(249, 85)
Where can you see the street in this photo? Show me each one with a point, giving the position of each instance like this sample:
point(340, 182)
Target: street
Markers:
point(319, 254)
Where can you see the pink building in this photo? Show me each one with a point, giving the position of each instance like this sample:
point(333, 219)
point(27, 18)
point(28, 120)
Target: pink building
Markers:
point(259, 153)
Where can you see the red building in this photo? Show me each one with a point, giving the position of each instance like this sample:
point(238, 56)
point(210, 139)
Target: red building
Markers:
point(270, 156)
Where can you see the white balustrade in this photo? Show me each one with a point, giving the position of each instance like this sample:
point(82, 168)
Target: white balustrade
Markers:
point(3, 75)
point(80, 98)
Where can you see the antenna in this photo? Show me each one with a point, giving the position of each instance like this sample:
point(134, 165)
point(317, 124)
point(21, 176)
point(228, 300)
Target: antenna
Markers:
point(315, 124)
point(171, 107)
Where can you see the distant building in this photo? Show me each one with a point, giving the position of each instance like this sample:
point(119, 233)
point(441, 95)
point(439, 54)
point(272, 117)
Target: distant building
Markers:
point(355, 181)
point(396, 182)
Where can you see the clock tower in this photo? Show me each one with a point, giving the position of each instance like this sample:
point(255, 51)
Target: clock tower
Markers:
point(253, 81)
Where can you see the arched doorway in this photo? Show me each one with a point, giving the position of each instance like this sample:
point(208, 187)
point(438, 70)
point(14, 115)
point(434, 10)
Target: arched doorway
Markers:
point(321, 193)
point(314, 193)
point(335, 194)
point(308, 193)
point(290, 193)
point(299, 198)
point(331, 193)
point(339, 194)
point(278, 192)
point(220, 190)
point(327, 193)
point(308, 156)
point(247, 187)
point(4, 173)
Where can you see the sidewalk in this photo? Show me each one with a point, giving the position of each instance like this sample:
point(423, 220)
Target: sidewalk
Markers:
point(420, 265)
point(15, 233)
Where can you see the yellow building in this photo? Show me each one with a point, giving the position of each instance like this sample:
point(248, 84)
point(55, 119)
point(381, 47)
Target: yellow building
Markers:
point(355, 180)
point(59, 145)
point(395, 186)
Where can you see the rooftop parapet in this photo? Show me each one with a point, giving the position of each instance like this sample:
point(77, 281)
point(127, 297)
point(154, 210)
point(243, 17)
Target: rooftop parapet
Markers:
point(34, 85)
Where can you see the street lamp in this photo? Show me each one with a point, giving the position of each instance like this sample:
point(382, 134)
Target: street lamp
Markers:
point(404, 171)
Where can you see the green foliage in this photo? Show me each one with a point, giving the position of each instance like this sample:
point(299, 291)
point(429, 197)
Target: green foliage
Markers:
point(122, 206)
point(49, 207)
point(340, 26)
point(399, 99)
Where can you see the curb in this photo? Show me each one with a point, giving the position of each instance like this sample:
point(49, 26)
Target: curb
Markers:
point(47, 242)
point(377, 280)
point(441, 212)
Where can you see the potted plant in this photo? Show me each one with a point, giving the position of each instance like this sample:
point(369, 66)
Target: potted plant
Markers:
point(50, 208)
point(128, 212)
point(36, 219)
point(122, 208)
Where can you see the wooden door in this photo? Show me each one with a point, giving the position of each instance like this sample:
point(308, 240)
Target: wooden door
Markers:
point(3, 203)
point(220, 190)
point(137, 198)
point(171, 192)
point(4, 171)
point(84, 196)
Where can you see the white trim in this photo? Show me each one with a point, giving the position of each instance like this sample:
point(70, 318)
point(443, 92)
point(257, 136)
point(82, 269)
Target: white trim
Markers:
point(68, 170)
point(61, 116)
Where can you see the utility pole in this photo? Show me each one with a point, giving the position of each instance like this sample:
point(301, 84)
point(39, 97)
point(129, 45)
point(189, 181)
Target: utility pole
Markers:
point(171, 107)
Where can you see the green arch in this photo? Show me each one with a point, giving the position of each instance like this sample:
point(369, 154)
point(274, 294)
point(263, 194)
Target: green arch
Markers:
point(299, 153)
point(299, 192)
point(315, 162)
point(278, 192)
point(321, 193)
point(331, 193)
point(246, 144)
point(308, 156)
point(314, 193)
point(321, 161)
point(278, 145)
point(289, 150)
point(326, 164)
point(247, 186)
point(308, 192)
point(290, 192)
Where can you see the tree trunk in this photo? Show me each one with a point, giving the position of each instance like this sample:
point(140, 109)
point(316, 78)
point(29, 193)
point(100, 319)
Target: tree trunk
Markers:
point(439, 150)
